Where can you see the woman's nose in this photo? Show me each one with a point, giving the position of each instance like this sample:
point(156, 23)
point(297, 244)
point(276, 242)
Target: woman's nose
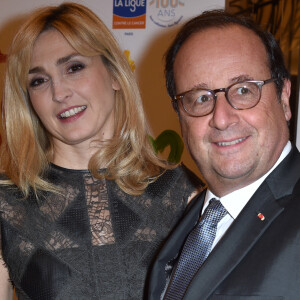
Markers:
point(60, 90)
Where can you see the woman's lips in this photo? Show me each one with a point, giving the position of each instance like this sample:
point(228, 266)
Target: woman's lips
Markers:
point(71, 112)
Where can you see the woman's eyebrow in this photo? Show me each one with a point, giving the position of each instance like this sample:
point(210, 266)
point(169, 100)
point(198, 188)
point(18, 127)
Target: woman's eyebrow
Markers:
point(65, 59)
point(60, 61)
point(36, 70)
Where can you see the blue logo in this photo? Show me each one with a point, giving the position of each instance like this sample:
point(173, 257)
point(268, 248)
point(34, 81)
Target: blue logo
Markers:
point(129, 14)
point(129, 8)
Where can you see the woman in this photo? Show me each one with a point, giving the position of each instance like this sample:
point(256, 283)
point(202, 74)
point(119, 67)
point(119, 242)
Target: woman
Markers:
point(84, 201)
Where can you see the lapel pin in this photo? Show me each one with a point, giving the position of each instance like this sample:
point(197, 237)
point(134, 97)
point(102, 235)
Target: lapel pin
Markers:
point(261, 216)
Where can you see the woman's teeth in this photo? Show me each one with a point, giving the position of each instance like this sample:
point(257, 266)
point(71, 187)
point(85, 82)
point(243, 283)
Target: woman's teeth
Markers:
point(72, 112)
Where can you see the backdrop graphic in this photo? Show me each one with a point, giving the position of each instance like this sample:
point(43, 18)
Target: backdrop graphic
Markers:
point(144, 29)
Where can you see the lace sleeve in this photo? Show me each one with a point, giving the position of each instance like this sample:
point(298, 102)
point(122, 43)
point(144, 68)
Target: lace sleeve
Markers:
point(6, 288)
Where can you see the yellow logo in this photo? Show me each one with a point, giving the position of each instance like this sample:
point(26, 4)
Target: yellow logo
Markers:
point(131, 62)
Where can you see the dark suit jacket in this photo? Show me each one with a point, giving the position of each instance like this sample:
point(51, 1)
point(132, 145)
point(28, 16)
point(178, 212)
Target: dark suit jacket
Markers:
point(255, 259)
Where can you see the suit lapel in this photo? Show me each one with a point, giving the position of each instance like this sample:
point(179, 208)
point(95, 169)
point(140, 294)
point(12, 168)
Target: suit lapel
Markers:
point(239, 239)
point(246, 230)
point(248, 227)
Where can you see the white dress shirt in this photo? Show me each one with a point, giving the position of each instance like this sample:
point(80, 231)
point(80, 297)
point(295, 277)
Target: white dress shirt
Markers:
point(235, 201)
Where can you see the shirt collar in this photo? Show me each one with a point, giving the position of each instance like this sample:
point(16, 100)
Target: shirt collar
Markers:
point(235, 201)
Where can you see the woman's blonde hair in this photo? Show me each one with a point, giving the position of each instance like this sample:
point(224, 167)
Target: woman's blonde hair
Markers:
point(26, 148)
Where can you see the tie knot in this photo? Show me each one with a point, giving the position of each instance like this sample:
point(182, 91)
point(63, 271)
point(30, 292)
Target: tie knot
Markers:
point(215, 211)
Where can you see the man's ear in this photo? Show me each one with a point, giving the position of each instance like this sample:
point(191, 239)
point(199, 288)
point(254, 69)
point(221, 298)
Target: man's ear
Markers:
point(285, 99)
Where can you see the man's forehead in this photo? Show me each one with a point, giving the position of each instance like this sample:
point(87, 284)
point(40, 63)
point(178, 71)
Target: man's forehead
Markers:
point(219, 43)
point(216, 35)
point(227, 52)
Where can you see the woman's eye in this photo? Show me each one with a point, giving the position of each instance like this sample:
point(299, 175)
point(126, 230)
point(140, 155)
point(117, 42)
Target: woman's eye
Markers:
point(37, 82)
point(75, 68)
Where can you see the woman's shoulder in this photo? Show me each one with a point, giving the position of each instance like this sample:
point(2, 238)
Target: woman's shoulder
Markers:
point(3, 176)
point(179, 180)
point(182, 174)
point(8, 194)
point(6, 186)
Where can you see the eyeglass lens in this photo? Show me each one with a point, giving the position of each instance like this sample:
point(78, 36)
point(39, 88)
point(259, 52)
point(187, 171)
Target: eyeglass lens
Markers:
point(241, 95)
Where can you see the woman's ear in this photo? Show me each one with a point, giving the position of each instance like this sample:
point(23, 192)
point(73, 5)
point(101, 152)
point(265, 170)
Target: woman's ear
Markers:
point(115, 84)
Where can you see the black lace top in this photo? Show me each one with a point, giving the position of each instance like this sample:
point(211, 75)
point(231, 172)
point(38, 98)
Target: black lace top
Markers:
point(92, 242)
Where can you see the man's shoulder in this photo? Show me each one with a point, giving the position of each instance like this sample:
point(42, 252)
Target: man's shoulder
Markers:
point(283, 179)
point(296, 191)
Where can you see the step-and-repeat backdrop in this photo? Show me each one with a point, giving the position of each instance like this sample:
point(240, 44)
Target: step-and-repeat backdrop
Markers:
point(144, 29)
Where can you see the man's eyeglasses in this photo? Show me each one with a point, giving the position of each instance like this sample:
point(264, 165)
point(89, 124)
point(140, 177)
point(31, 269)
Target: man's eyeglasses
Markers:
point(242, 95)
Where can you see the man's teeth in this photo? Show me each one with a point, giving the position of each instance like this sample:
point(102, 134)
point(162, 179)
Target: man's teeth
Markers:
point(71, 112)
point(231, 143)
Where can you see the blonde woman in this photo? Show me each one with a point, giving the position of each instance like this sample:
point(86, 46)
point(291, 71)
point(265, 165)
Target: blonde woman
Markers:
point(84, 202)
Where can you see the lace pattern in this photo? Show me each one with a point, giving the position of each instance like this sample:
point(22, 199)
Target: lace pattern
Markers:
point(93, 241)
point(98, 210)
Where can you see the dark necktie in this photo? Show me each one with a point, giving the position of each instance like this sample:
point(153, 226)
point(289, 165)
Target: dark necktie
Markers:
point(197, 247)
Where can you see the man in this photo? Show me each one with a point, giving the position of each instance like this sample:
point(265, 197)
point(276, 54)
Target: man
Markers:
point(231, 90)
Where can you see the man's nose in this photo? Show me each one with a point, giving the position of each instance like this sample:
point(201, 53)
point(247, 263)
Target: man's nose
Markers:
point(224, 115)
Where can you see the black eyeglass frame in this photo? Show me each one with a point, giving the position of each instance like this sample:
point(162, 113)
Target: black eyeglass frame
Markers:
point(179, 97)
